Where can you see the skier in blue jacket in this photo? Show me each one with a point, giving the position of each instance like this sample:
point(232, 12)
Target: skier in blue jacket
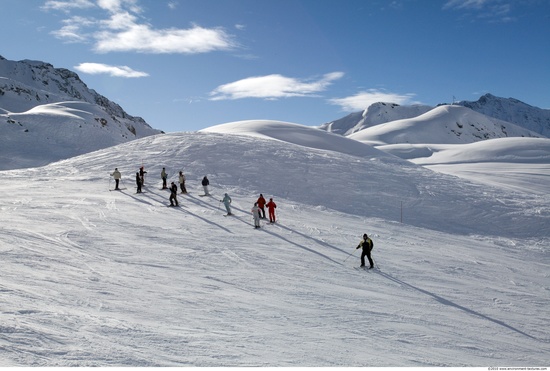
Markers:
point(227, 202)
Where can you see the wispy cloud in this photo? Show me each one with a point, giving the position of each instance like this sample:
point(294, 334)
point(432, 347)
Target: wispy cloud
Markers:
point(67, 6)
point(466, 4)
point(488, 10)
point(72, 30)
point(273, 87)
point(117, 71)
point(362, 100)
point(123, 30)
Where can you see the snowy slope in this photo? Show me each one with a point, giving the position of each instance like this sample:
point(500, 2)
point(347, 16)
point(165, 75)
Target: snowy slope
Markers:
point(48, 114)
point(97, 278)
point(297, 134)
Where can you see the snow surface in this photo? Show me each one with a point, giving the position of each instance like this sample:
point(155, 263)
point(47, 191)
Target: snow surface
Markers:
point(92, 277)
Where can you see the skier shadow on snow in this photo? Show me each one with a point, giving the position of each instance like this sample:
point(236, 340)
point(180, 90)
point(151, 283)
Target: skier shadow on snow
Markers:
point(139, 199)
point(455, 305)
point(320, 242)
point(207, 221)
point(300, 246)
point(158, 199)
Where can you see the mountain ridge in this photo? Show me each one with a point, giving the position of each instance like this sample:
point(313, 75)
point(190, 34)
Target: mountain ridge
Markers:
point(29, 89)
point(510, 110)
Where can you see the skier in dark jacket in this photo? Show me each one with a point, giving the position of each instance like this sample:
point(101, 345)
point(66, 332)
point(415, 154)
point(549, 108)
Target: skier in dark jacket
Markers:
point(142, 173)
point(164, 177)
point(205, 183)
point(367, 245)
point(173, 194)
point(138, 182)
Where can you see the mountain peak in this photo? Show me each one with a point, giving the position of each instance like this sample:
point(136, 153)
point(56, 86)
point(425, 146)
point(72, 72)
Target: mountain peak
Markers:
point(514, 111)
point(37, 99)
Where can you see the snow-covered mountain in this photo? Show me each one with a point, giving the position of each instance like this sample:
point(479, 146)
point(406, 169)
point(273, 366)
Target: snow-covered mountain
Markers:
point(48, 112)
point(442, 125)
point(511, 111)
point(514, 111)
point(375, 114)
point(92, 277)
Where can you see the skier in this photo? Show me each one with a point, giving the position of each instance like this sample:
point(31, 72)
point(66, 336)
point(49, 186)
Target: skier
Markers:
point(205, 183)
point(142, 173)
point(367, 245)
point(182, 183)
point(271, 209)
point(138, 182)
point(164, 176)
point(256, 214)
point(173, 194)
point(261, 204)
point(227, 202)
point(117, 176)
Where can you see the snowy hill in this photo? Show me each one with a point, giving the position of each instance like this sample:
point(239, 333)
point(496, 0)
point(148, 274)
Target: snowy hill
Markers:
point(53, 111)
point(457, 141)
point(97, 278)
point(375, 114)
point(442, 125)
point(514, 111)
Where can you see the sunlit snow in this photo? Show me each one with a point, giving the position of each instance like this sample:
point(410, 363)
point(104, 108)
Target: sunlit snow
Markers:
point(96, 277)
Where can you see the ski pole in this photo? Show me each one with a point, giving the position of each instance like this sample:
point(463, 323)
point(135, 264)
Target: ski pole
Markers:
point(353, 252)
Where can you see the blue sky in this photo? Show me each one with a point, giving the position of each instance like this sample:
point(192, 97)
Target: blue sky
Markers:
point(184, 65)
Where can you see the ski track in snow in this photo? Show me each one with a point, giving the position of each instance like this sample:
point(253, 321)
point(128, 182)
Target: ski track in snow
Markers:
point(97, 278)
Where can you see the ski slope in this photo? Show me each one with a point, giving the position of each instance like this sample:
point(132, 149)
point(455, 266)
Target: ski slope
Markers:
point(93, 277)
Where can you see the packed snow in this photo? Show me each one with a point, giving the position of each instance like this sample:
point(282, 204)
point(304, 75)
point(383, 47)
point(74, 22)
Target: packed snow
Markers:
point(96, 277)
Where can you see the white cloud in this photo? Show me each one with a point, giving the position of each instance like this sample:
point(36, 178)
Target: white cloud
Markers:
point(487, 10)
point(273, 87)
point(115, 6)
point(67, 6)
point(124, 30)
point(72, 31)
point(127, 36)
point(362, 100)
point(116, 71)
point(464, 4)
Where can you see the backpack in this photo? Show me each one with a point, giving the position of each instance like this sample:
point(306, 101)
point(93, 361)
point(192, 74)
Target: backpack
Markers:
point(371, 243)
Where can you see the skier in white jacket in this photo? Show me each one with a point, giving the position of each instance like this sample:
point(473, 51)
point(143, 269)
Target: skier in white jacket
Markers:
point(117, 176)
point(256, 214)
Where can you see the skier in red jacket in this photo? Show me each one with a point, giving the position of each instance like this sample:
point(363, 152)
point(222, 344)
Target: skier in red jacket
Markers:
point(261, 204)
point(271, 208)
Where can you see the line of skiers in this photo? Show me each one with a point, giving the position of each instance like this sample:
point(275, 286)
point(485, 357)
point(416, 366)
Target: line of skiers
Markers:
point(258, 210)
